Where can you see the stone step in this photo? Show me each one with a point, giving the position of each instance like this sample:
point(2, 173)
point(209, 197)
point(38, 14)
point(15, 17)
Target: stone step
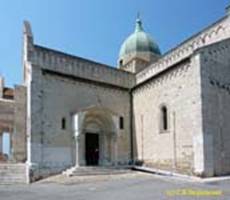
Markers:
point(92, 171)
point(12, 173)
point(99, 171)
point(7, 171)
point(12, 182)
point(95, 173)
point(9, 175)
point(12, 170)
point(12, 167)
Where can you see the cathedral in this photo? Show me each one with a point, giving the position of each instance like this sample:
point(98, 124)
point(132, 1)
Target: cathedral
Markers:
point(162, 111)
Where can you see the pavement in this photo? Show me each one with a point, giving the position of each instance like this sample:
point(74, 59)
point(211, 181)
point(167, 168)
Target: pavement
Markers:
point(130, 186)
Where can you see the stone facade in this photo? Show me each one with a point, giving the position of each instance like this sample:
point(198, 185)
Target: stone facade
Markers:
point(170, 112)
point(77, 86)
point(215, 110)
point(179, 90)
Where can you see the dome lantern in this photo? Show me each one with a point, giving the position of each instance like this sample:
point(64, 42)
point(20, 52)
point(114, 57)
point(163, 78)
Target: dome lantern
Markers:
point(138, 27)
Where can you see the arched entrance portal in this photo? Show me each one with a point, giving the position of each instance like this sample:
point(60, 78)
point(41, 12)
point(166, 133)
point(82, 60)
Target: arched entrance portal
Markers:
point(96, 137)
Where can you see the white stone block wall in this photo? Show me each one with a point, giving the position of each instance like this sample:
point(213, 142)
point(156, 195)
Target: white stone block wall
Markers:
point(215, 68)
point(179, 90)
point(72, 65)
point(55, 97)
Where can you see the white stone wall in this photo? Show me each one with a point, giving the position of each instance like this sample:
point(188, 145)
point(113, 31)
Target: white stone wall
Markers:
point(179, 90)
point(54, 97)
point(215, 65)
point(80, 67)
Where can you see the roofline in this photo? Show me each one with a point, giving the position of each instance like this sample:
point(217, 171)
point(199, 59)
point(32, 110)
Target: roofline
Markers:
point(85, 80)
point(181, 45)
point(80, 58)
point(211, 45)
point(194, 36)
point(186, 59)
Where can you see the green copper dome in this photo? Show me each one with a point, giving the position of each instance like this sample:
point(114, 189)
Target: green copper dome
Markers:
point(139, 41)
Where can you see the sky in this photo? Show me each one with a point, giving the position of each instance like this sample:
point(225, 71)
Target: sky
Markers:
point(95, 29)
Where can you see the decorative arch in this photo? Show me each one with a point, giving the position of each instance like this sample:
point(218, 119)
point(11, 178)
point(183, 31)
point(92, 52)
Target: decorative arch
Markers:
point(104, 123)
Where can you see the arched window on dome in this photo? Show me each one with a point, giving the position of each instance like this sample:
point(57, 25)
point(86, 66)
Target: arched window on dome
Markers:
point(164, 125)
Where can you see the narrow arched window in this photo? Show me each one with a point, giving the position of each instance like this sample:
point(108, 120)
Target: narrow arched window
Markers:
point(63, 123)
point(121, 123)
point(164, 118)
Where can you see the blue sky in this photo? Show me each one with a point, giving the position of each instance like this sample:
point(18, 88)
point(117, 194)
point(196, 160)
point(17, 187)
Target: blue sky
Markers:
point(95, 29)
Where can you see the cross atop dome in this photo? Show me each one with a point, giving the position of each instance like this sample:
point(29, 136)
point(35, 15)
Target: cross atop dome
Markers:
point(139, 26)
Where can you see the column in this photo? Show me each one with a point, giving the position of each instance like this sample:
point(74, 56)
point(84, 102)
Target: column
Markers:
point(76, 136)
point(115, 149)
point(77, 150)
point(116, 133)
point(104, 151)
point(81, 149)
point(77, 123)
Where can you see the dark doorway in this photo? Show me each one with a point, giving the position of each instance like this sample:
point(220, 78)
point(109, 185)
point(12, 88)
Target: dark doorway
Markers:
point(92, 148)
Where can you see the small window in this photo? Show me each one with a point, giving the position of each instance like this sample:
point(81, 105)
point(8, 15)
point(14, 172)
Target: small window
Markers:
point(63, 123)
point(164, 118)
point(121, 63)
point(121, 122)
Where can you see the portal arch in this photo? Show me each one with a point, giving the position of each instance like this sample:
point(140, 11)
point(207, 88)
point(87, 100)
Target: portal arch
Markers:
point(104, 123)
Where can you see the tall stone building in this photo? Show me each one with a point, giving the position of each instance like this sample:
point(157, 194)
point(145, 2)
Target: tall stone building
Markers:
point(166, 111)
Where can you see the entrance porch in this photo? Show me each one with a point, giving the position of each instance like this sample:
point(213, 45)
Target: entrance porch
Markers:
point(96, 135)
